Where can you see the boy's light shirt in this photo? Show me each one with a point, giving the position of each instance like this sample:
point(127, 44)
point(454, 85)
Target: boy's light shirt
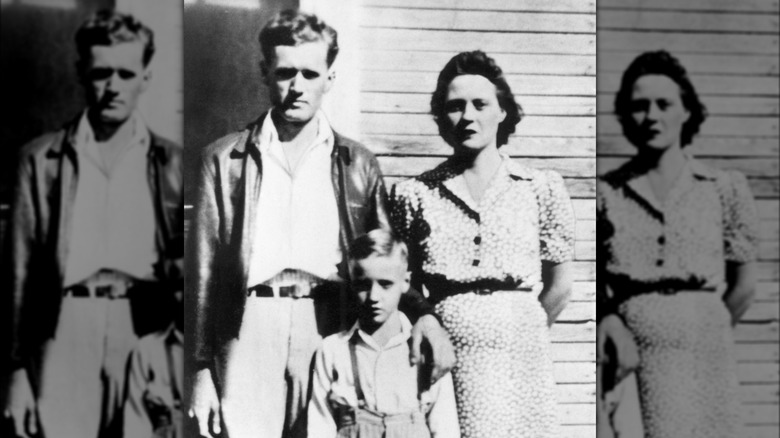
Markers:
point(389, 383)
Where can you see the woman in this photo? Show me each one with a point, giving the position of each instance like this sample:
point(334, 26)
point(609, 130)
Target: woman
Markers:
point(490, 239)
point(677, 245)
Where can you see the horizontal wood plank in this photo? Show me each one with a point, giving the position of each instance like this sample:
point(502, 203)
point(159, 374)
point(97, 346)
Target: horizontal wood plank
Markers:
point(521, 84)
point(687, 43)
point(391, 59)
point(454, 41)
point(584, 6)
point(491, 21)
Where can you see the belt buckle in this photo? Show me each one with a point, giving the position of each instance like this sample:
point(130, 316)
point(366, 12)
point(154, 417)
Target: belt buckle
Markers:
point(484, 291)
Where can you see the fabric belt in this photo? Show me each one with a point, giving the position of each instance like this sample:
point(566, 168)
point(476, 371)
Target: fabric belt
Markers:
point(366, 416)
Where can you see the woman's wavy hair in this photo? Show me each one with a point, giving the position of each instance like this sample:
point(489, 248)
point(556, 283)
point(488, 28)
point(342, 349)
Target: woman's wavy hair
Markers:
point(476, 63)
point(659, 63)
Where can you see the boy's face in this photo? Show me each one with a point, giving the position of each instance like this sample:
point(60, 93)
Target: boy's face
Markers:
point(298, 78)
point(379, 282)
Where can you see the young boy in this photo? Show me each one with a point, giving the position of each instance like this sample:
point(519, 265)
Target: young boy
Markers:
point(154, 381)
point(363, 384)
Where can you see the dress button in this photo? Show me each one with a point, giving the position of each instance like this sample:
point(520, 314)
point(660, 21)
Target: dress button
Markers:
point(475, 262)
point(661, 240)
point(478, 240)
point(659, 262)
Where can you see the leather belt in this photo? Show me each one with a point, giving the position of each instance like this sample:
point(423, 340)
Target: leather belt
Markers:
point(105, 291)
point(290, 291)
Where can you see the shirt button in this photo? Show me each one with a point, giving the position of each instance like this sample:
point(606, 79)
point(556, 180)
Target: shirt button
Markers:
point(475, 262)
point(478, 240)
point(659, 262)
point(661, 240)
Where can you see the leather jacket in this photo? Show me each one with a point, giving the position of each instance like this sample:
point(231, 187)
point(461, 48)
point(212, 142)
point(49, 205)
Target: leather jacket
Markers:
point(38, 235)
point(217, 254)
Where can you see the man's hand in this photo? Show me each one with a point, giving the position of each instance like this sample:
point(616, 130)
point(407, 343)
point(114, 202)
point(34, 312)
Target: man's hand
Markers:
point(613, 328)
point(20, 406)
point(442, 351)
point(204, 405)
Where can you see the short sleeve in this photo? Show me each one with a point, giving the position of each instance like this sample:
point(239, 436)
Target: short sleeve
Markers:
point(740, 220)
point(556, 220)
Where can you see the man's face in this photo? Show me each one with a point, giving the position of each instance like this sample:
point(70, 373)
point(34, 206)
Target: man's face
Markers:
point(114, 78)
point(379, 282)
point(298, 78)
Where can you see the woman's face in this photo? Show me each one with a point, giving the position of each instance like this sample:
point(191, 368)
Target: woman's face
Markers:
point(658, 111)
point(474, 113)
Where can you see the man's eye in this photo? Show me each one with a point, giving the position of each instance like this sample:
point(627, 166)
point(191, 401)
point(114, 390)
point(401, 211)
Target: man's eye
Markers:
point(285, 73)
point(386, 284)
point(99, 74)
point(479, 104)
point(126, 74)
point(308, 74)
point(664, 104)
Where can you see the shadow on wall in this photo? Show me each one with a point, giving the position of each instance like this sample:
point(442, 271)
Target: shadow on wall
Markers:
point(222, 84)
point(38, 74)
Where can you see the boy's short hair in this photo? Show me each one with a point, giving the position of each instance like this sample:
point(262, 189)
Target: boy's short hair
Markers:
point(293, 28)
point(379, 242)
point(108, 28)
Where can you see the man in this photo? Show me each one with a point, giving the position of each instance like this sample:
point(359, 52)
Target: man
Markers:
point(96, 232)
point(278, 204)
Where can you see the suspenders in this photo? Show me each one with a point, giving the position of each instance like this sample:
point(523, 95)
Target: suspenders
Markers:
point(355, 372)
point(172, 373)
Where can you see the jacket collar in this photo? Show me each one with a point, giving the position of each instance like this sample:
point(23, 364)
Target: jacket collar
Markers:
point(157, 150)
point(249, 142)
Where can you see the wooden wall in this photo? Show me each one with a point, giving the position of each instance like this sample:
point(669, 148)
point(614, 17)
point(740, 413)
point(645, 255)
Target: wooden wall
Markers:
point(731, 51)
point(548, 51)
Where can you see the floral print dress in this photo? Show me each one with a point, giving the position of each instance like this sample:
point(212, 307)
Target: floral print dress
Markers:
point(481, 264)
point(662, 269)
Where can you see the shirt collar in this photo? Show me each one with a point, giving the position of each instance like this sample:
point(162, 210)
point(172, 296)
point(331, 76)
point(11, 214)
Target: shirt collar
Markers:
point(400, 338)
point(85, 135)
point(173, 335)
point(268, 135)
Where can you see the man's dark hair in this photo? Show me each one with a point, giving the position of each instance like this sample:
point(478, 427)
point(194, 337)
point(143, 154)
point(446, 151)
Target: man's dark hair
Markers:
point(476, 63)
point(107, 28)
point(292, 28)
point(659, 63)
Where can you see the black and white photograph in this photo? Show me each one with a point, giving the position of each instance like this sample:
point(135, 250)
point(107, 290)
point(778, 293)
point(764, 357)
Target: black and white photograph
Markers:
point(392, 220)
point(687, 219)
point(93, 219)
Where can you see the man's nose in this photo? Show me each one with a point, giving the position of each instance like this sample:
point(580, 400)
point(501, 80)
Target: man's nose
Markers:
point(296, 83)
point(112, 82)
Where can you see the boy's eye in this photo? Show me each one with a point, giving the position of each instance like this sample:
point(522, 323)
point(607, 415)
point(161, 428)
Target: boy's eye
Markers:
point(386, 284)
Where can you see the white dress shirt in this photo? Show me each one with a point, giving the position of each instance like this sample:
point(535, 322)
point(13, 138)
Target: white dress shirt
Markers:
point(389, 383)
point(297, 223)
point(113, 224)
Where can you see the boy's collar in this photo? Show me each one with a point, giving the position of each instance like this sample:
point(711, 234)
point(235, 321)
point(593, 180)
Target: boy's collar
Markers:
point(400, 338)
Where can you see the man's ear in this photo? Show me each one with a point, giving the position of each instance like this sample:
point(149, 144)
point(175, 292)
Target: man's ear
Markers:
point(147, 79)
point(407, 281)
point(330, 79)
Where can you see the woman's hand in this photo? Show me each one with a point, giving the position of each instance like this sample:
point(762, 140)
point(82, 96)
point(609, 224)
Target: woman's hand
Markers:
point(442, 352)
point(612, 328)
point(557, 279)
